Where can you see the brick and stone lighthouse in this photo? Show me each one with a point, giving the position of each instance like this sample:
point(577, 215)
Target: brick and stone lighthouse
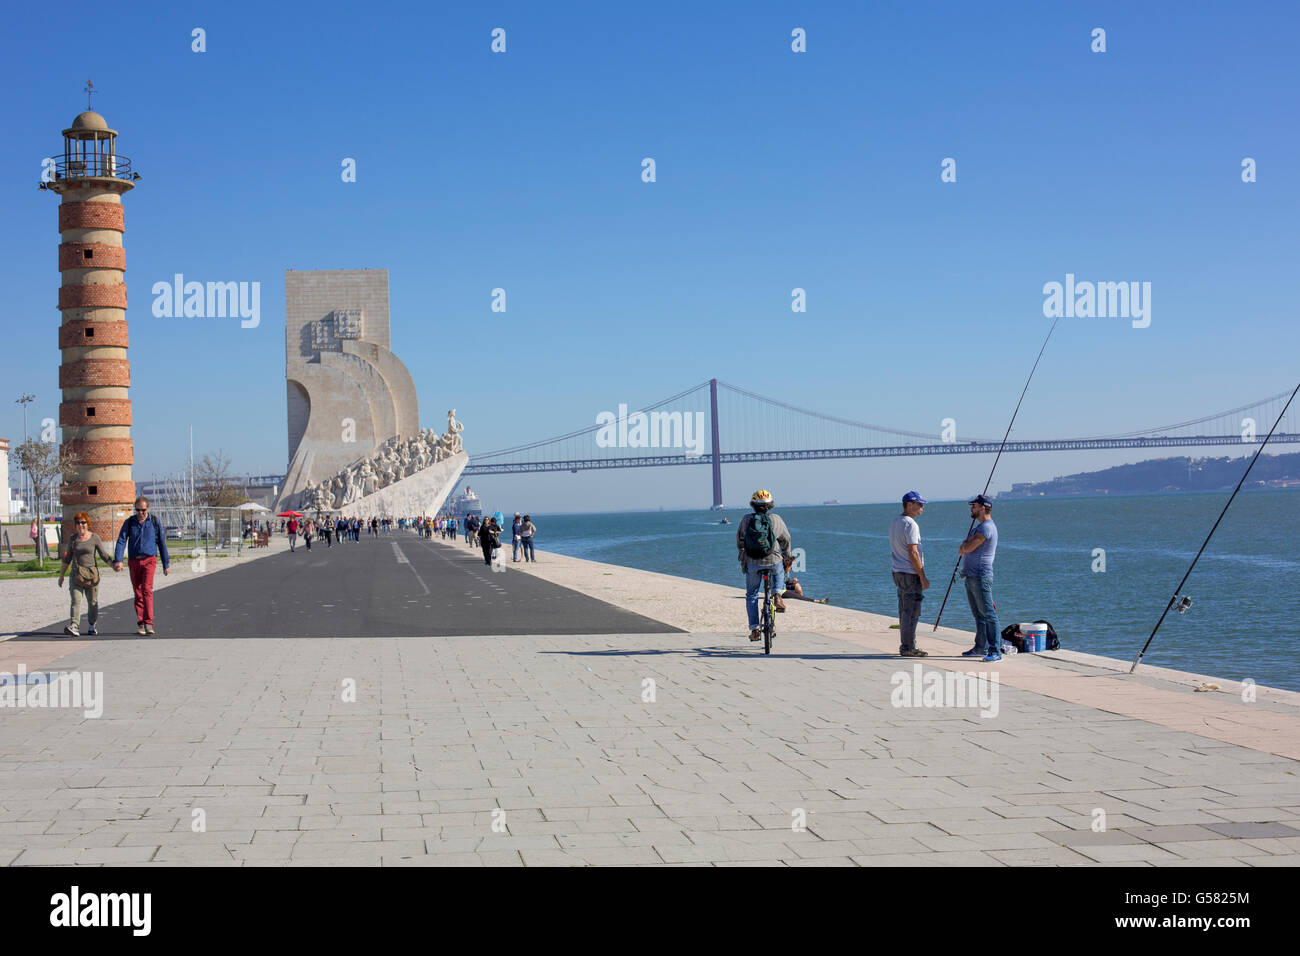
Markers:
point(95, 414)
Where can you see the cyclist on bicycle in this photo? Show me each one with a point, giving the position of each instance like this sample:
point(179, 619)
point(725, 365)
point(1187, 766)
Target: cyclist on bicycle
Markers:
point(763, 541)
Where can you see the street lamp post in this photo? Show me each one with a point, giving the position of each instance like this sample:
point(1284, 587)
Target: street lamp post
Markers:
point(24, 400)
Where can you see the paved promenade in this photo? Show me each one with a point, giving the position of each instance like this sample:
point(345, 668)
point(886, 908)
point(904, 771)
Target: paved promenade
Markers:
point(616, 745)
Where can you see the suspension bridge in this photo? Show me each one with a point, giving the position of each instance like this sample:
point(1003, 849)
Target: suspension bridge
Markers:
point(678, 430)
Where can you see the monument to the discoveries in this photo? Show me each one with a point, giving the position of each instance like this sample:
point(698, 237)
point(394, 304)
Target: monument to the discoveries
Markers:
point(347, 392)
point(95, 413)
point(355, 443)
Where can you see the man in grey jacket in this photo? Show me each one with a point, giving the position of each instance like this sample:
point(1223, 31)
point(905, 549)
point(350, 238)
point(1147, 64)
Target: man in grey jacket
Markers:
point(765, 548)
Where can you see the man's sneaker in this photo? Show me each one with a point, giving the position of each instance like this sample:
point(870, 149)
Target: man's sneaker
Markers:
point(141, 631)
point(92, 630)
point(912, 652)
point(148, 629)
point(71, 631)
point(755, 635)
point(973, 652)
point(995, 656)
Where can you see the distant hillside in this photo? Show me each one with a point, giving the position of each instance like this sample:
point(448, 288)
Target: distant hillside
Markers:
point(1167, 475)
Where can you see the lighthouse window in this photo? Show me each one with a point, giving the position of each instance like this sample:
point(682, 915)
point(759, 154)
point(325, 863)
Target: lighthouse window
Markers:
point(88, 253)
point(90, 331)
point(90, 411)
point(92, 490)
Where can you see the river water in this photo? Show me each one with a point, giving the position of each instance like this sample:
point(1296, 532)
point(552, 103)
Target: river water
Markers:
point(1244, 621)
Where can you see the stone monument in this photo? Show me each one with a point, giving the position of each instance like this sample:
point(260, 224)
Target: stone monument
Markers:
point(348, 393)
point(355, 445)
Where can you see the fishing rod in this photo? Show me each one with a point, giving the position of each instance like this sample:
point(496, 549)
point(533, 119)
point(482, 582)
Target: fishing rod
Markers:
point(953, 578)
point(1183, 601)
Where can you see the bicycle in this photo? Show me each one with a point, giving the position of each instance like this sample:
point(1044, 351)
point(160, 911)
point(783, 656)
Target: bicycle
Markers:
point(767, 612)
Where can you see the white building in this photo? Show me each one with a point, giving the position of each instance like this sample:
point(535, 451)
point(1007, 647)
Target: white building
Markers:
point(12, 505)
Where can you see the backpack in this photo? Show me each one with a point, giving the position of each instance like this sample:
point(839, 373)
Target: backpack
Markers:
point(760, 540)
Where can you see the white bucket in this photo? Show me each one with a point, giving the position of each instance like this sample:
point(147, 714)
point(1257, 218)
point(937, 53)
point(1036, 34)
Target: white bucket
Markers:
point(1035, 636)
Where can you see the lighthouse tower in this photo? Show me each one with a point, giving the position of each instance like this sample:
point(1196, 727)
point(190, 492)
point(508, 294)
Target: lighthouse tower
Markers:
point(95, 414)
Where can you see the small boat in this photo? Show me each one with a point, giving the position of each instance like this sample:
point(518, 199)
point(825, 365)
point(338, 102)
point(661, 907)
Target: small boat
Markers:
point(725, 521)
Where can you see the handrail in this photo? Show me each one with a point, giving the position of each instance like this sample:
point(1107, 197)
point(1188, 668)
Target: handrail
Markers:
point(93, 165)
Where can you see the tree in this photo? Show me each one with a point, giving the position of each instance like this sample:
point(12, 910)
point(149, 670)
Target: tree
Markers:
point(214, 487)
point(44, 462)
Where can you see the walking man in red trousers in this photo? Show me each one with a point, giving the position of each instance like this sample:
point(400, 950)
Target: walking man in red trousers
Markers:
point(143, 541)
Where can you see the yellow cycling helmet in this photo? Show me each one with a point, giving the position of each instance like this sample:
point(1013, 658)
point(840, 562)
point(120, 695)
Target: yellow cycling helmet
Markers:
point(762, 497)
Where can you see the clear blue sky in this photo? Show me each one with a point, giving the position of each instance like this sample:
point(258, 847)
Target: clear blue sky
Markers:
point(775, 170)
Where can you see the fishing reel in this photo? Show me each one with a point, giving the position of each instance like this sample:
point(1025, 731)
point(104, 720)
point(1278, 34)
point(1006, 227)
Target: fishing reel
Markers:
point(1182, 603)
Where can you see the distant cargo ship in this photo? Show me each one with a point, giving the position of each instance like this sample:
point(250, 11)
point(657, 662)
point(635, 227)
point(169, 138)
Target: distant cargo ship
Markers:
point(833, 501)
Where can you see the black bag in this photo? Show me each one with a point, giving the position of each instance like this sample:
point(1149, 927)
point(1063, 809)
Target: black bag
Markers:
point(1010, 635)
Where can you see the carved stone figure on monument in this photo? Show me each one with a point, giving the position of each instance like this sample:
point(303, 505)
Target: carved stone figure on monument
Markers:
point(369, 481)
point(404, 456)
point(451, 439)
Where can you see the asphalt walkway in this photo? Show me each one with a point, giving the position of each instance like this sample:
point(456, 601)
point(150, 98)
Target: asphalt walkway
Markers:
point(393, 585)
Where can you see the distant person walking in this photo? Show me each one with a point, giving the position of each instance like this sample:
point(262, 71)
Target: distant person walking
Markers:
point(763, 541)
point(515, 529)
point(143, 541)
point(293, 534)
point(327, 530)
point(309, 529)
point(80, 555)
point(526, 532)
point(977, 553)
point(41, 546)
point(489, 538)
point(908, 567)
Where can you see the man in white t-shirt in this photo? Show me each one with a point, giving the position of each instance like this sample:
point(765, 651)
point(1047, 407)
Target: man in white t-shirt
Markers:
point(908, 566)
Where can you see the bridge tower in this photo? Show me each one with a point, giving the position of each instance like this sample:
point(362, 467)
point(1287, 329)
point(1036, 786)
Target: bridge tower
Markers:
point(95, 374)
point(717, 457)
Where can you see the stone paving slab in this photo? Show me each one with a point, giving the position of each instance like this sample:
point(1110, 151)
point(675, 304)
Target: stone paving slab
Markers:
point(552, 750)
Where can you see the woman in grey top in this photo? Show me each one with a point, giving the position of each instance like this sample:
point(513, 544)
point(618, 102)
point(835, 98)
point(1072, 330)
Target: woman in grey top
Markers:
point(81, 551)
point(526, 531)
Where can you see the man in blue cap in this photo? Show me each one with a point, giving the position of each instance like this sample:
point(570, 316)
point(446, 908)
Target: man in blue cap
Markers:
point(908, 566)
point(977, 553)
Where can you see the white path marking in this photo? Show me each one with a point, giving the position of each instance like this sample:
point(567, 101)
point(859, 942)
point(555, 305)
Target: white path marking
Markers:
point(403, 559)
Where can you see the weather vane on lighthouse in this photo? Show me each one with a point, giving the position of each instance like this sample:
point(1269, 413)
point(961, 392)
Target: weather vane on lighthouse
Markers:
point(89, 90)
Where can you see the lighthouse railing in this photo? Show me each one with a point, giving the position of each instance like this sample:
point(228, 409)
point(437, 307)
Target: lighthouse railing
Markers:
point(99, 165)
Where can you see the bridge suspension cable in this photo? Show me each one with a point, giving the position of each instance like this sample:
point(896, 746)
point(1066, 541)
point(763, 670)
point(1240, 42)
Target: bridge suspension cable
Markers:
point(1161, 429)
